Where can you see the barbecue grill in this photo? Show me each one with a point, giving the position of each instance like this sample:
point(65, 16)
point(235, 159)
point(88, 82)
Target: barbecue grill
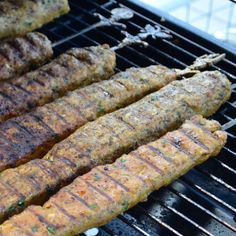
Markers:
point(202, 202)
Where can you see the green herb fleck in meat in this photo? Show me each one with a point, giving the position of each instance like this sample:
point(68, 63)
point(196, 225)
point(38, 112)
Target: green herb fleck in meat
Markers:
point(35, 229)
point(51, 229)
point(93, 206)
point(21, 202)
point(101, 109)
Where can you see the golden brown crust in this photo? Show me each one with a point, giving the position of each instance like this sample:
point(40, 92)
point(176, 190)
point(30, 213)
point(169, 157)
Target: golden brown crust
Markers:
point(106, 191)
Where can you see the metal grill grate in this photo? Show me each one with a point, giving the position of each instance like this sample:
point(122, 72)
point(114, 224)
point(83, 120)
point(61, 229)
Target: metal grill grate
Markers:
point(201, 202)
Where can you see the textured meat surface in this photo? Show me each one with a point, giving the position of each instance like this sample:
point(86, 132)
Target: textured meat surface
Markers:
point(18, 55)
point(32, 135)
point(96, 197)
point(22, 16)
point(75, 68)
point(108, 137)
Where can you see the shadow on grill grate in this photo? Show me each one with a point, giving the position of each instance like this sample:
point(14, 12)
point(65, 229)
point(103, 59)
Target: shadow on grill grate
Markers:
point(203, 201)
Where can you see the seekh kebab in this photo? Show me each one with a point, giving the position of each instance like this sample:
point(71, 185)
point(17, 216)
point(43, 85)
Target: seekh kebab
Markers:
point(73, 69)
point(108, 137)
point(31, 135)
point(18, 55)
point(18, 17)
point(106, 191)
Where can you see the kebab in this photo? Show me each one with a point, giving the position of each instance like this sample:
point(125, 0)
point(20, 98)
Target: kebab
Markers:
point(22, 16)
point(105, 139)
point(31, 135)
point(106, 191)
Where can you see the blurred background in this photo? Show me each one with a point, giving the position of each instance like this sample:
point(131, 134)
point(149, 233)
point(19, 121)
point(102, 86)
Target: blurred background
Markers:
point(215, 17)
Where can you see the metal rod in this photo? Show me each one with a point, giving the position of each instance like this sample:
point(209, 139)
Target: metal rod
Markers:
point(189, 200)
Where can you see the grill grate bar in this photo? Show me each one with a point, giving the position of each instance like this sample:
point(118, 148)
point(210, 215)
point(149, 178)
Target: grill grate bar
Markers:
point(183, 216)
point(159, 221)
point(224, 165)
point(133, 225)
point(212, 196)
point(218, 180)
point(202, 208)
point(108, 231)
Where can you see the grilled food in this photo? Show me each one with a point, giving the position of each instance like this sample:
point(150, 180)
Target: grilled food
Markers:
point(33, 134)
point(18, 55)
point(75, 68)
point(22, 16)
point(111, 135)
point(96, 197)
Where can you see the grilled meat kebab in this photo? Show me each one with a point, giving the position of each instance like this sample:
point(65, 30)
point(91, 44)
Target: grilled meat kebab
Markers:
point(75, 68)
point(32, 135)
point(106, 191)
point(18, 17)
point(18, 55)
point(108, 137)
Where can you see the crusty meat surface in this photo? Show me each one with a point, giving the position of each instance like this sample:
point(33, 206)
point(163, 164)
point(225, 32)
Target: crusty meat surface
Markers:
point(31, 135)
point(108, 137)
point(106, 191)
point(18, 55)
point(75, 68)
point(18, 17)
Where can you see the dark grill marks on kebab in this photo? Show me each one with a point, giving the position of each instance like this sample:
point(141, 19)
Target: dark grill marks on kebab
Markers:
point(32, 135)
point(86, 202)
point(105, 139)
point(20, 54)
point(75, 68)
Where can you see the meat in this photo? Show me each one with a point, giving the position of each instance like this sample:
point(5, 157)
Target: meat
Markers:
point(24, 136)
point(75, 68)
point(108, 137)
point(96, 197)
point(18, 55)
point(22, 16)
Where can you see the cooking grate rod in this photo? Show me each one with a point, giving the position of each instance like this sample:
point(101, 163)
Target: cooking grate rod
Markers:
point(159, 221)
point(212, 196)
point(173, 210)
point(133, 225)
point(181, 195)
point(218, 180)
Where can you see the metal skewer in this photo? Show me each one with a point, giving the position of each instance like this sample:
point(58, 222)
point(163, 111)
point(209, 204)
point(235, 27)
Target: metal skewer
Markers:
point(200, 63)
point(153, 31)
point(117, 14)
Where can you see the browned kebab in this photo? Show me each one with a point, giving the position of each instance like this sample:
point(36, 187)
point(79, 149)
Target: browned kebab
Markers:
point(106, 191)
point(73, 69)
point(32, 135)
point(18, 55)
point(18, 17)
point(105, 139)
